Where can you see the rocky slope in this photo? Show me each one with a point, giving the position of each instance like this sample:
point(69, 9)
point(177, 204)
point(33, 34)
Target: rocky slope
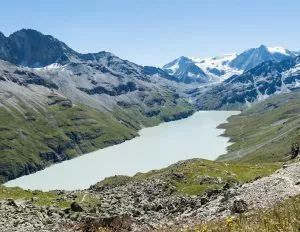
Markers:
point(150, 204)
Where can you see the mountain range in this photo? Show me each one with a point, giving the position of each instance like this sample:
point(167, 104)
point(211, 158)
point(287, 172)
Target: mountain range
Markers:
point(64, 103)
point(257, 84)
point(220, 68)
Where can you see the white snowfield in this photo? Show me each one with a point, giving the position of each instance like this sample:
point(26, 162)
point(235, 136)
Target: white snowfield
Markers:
point(278, 50)
point(220, 63)
point(53, 66)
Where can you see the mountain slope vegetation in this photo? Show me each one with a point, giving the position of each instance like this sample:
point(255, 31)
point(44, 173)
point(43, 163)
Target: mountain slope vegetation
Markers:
point(266, 131)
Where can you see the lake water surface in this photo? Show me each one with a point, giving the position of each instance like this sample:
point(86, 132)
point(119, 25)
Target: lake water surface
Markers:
point(156, 147)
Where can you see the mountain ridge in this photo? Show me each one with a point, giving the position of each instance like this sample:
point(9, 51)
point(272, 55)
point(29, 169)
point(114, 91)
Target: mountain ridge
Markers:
point(220, 68)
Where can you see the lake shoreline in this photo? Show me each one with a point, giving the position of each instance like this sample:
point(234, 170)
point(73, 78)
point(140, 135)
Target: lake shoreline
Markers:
point(140, 133)
point(41, 167)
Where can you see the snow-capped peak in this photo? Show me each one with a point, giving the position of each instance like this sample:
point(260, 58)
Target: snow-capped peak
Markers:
point(220, 68)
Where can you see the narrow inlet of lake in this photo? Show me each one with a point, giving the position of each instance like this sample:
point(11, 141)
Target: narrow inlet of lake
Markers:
point(156, 147)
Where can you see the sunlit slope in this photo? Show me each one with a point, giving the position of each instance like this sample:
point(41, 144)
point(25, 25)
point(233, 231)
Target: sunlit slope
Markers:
point(266, 131)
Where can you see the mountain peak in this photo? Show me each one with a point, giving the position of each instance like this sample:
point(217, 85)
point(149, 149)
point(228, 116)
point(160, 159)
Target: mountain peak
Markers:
point(262, 46)
point(26, 31)
point(185, 70)
point(31, 48)
point(255, 56)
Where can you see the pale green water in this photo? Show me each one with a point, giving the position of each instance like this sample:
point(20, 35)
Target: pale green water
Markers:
point(157, 147)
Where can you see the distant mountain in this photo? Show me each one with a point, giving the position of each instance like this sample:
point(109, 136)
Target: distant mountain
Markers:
point(185, 70)
point(255, 56)
point(222, 67)
point(256, 84)
point(33, 49)
point(217, 68)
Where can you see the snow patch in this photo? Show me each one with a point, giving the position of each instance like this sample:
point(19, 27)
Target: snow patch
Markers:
point(280, 50)
point(174, 68)
point(51, 67)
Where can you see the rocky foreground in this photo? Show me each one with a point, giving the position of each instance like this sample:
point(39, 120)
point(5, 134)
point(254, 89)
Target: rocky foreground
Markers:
point(149, 204)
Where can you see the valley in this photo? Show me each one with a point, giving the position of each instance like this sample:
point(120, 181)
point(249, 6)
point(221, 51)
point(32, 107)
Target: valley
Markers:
point(196, 193)
point(63, 111)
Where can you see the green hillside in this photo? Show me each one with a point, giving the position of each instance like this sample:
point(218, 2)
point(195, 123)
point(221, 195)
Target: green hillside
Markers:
point(264, 132)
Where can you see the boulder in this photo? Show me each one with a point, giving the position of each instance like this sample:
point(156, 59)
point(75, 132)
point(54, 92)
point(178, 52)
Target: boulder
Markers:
point(209, 180)
point(11, 202)
point(203, 200)
point(76, 207)
point(177, 176)
point(239, 206)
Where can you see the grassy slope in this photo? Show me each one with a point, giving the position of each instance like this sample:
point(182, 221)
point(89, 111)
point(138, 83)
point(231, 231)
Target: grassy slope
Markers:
point(61, 129)
point(52, 198)
point(265, 132)
point(35, 138)
point(195, 169)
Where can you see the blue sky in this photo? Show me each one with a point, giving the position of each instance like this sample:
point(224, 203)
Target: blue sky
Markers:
point(154, 32)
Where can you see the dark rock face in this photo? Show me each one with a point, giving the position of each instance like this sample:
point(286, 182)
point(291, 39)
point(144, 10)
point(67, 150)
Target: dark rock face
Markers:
point(115, 91)
point(149, 70)
point(25, 78)
point(216, 71)
point(27, 168)
point(178, 116)
point(32, 48)
point(152, 113)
